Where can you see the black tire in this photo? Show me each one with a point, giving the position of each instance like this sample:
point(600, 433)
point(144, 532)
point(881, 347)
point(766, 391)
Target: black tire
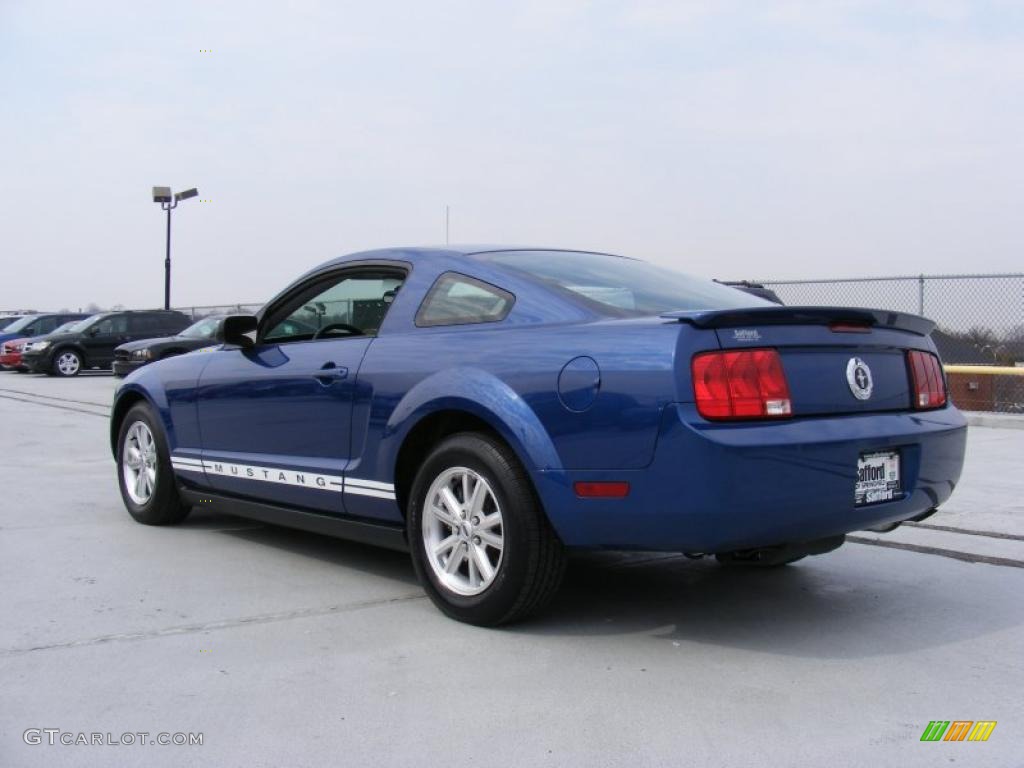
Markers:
point(163, 506)
point(533, 560)
point(67, 371)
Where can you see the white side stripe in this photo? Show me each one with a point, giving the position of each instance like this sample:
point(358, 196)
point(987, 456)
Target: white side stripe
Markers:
point(352, 481)
point(369, 492)
point(279, 475)
point(283, 476)
point(186, 467)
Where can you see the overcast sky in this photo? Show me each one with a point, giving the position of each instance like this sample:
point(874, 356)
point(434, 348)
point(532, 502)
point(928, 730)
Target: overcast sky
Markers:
point(729, 139)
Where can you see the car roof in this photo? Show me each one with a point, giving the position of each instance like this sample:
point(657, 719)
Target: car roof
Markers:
point(469, 259)
point(416, 254)
point(110, 312)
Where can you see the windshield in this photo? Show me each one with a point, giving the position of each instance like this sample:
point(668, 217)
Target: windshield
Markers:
point(8, 321)
point(622, 287)
point(17, 325)
point(204, 329)
point(71, 326)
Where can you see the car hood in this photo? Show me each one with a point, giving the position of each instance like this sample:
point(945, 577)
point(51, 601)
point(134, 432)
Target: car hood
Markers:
point(58, 337)
point(131, 346)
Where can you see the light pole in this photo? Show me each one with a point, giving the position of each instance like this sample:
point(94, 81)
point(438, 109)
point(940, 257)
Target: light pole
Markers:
point(169, 202)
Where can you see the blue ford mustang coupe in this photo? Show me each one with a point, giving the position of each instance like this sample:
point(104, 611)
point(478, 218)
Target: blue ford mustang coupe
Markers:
point(490, 408)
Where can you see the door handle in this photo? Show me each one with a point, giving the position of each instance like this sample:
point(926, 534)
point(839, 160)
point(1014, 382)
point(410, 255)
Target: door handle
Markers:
point(330, 373)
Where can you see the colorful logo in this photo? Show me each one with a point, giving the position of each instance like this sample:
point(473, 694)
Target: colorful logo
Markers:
point(958, 730)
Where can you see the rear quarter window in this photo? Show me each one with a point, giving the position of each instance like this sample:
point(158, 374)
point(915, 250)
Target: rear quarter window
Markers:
point(458, 299)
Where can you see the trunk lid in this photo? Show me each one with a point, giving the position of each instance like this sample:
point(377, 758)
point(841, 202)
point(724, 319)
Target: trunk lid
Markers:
point(829, 354)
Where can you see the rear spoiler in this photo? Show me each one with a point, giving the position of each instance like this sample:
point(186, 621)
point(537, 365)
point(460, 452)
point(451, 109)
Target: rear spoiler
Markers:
point(733, 318)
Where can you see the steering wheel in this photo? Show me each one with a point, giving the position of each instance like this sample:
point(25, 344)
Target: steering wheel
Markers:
point(338, 327)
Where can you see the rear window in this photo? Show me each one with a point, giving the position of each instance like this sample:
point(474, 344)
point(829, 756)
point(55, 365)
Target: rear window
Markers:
point(621, 287)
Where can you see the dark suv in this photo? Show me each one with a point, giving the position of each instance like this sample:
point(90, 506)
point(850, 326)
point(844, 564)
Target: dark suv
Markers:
point(91, 344)
point(37, 325)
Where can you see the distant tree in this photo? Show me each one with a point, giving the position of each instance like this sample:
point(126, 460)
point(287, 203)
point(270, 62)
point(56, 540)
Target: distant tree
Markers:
point(92, 308)
point(1013, 345)
point(982, 337)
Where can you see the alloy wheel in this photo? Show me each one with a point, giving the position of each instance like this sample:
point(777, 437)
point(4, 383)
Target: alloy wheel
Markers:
point(139, 463)
point(462, 531)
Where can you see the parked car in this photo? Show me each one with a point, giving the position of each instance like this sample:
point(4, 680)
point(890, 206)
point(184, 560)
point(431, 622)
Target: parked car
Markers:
point(37, 325)
point(136, 354)
point(10, 353)
point(490, 409)
point(7, 320)
point(128, 357)
point(10, 350)
point(92, 344)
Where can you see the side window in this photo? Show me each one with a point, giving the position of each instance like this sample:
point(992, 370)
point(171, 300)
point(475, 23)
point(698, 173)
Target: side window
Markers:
point(167, 325)
point(45, 325)
point(175, 324)
point(351, 304)
point(459, 300)
point(112, 325)
point(142, 323)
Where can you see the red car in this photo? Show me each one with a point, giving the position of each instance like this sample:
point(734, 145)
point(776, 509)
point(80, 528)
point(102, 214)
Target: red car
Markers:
point(11, 349)
point(10, 353)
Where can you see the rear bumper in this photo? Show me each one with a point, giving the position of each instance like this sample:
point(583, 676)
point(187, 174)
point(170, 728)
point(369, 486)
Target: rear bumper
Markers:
point(714, 487)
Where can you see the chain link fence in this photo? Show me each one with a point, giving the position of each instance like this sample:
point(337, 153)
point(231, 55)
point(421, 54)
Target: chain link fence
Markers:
point(199, 312)
point(195, 312)
point(980, 322)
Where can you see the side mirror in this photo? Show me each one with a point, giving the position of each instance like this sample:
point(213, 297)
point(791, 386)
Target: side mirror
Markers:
point(93, 331)
point(234, 328)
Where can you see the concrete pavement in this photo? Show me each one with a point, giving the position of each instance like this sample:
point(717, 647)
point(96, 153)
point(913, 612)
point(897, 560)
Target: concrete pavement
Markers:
point(284, 648)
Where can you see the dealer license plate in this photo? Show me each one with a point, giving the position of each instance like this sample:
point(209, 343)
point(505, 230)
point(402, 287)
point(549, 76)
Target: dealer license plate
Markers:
point(878, 477)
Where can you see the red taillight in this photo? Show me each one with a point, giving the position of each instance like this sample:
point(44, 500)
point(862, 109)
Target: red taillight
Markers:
point(601, 490)
point(929, 383)
point(747, 384)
